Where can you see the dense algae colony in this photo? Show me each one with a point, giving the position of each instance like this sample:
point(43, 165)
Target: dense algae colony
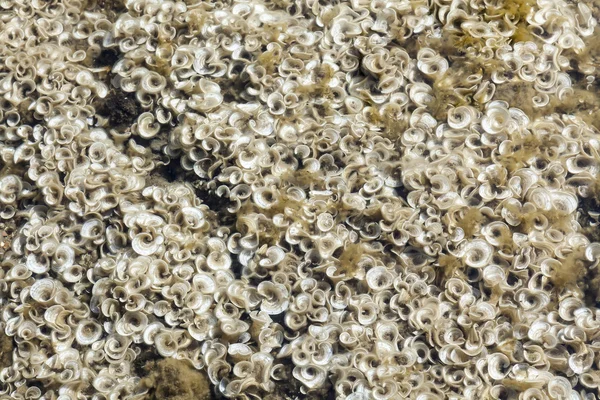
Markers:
point(299, 199)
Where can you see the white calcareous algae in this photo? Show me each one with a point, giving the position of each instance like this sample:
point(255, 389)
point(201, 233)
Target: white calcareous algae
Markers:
point(299, 199)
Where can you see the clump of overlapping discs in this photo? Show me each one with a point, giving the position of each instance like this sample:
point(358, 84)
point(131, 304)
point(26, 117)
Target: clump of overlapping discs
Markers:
point(294, 199)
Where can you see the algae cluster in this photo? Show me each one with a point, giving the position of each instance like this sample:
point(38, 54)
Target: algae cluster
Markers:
point(6, 350)
point(470, 221)
point(171, 379)
point(349, 259)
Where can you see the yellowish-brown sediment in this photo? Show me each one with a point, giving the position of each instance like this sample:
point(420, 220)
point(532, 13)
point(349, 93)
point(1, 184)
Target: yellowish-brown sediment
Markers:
point(170, 379)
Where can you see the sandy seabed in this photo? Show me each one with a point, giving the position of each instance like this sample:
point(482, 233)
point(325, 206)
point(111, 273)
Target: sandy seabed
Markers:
point(384, 199)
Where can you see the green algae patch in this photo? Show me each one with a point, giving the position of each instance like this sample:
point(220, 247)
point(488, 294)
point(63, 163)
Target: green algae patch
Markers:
point(171, 379)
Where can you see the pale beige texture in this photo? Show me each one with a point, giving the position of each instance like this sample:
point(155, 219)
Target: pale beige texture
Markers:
point(305, 199)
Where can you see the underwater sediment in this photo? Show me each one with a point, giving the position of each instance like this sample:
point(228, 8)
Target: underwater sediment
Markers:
point(302, 199)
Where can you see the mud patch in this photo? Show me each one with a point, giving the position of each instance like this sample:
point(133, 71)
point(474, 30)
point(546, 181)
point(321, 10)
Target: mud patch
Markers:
point(167, 173)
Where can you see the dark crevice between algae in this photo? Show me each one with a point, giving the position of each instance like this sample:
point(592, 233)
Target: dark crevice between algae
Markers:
point(112, 8)
point(106, 58)
point(121, 108)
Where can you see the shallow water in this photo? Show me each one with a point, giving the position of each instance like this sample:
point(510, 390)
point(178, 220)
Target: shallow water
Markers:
point(299, 200)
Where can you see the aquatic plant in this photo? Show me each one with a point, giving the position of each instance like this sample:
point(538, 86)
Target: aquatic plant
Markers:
point(299, 200)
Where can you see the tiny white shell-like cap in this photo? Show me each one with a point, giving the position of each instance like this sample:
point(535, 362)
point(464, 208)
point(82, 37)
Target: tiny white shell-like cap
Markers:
point(43, 291)
point(165, 343)
point(379, 278)
point(146, 126)
point(239, 351)
point(311, 376)
point(478, 253)
point(145, 245)
point(275, 297)
point(36, 266)
point(88, 332)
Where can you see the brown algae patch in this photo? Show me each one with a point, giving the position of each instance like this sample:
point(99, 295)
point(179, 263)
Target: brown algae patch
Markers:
point(520, 10)
point(350, 258)
point(302, 177)
point(444, 98)
point(171, 379)
point(446, 89)
point(519, 94)
point(572, 270)
point(582, 102)
point(391, 121)
point(555, 220)
point(523, 150)
point(6, 350)
point(454, 87)
point(323, 75)
point(517, 11)
point(448, 265)
point(269, 60)
point(575, 271)
point(470, 221)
